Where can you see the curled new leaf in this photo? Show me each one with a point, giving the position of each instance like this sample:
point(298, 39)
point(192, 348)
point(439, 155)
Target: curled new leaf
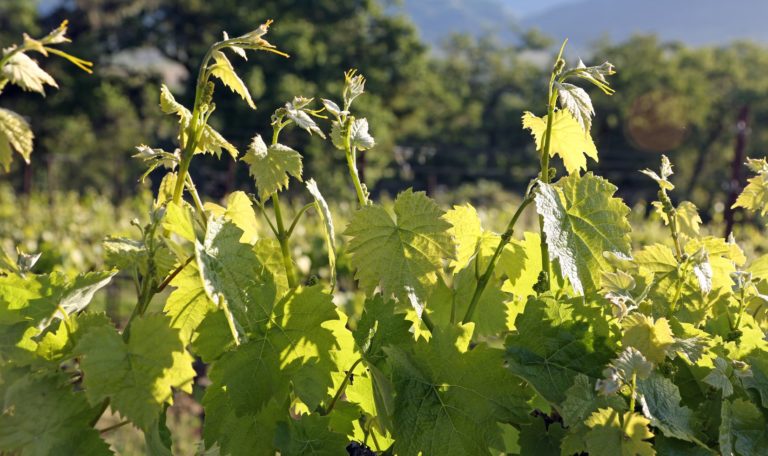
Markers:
point(223, 69)
point(15, 134)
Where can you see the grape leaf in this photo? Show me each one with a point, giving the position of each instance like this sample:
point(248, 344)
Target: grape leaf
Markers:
point(656, 258)
point(582, 220)
point(466, 232)
point(613, 433)
point(651, 338)
point(688, 220)
point(743, 428)
point(309, 435)
point(660, 400)
point(223, 69)
point(576, 100)
point(297, 111)
point(539, 439)
point(719, 377)
point(496, 306)
point(15, 134)
point(270, 166)
point(41, 416)
point(754, 197)
point(21, 70)
point(233, 277)
point(239, 435)
point(213, 337)
point(758, 362)
point(57, 345)
point(520, 261)
point(138, 376)
point(662, 178)
point(210, 139)
point(178, 220)
point(39, 299)
point(581, 401)
point(379, 327)
point(359, 136)
point(239, 211)
point(569, 139)
point(443, 404)
point(551, 347)
point(292, 351)
point(188, 304)
point(401, 254)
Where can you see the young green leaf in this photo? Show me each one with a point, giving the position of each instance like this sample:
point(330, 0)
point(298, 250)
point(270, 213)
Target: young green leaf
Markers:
point(613, 433)
point(582, 220)
point(297, 111)
point(575, 100)
point(233, 277)
point(211, 140)
point(239, 210)
point(401, 253)
point(755, 195)
point(569, 139)
point(271, 166)
point(660, 400)
point(662, 178)
point(291, 348)
point(188, 304)
point(443, 403)
point(688, 220)
point(309, 435)
point(651, 338)
point(138, 376)
point(43, 416)
point(551, 347)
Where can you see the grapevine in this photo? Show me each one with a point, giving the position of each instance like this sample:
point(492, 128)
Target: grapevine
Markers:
point(561, 341)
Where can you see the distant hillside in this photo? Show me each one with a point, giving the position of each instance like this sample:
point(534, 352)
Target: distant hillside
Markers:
point(694, 22)
point(438, 19)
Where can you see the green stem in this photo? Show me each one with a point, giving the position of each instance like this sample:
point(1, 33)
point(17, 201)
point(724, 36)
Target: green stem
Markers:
point(260, 205)
point(634, 393)
point(282, 238)
point(551, 102)
point(173, 275)
point(342, 387)
point(505, 238)
point(675, 235)
point(102, 408)
point(427, 321)
point(113, 427)
point(742, 307)
point(195, 125)
point(297, 217)
point(196, 199)
point(351, 153)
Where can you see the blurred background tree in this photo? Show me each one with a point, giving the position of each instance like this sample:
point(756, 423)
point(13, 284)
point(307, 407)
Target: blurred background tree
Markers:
point(443, 114)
